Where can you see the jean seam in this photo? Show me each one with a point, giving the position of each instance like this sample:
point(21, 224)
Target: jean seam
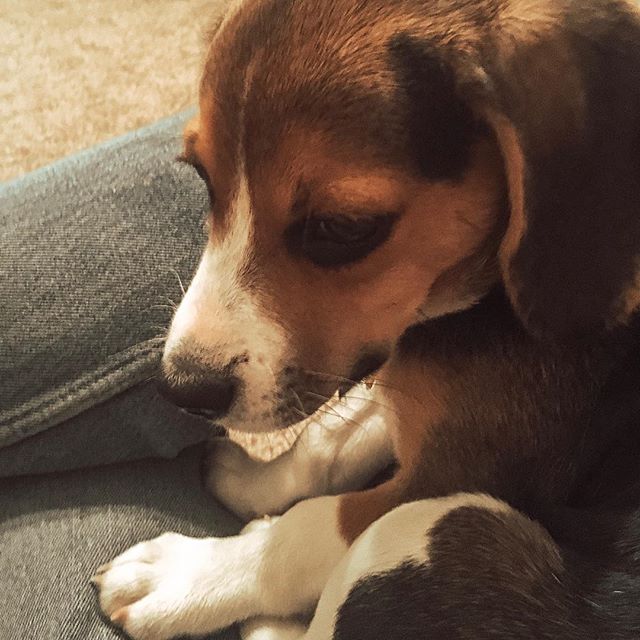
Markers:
point(122, 371)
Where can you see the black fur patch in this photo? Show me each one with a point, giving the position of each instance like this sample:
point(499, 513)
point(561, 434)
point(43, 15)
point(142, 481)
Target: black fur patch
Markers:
point(440, 127)
point(500, 576)
point(489, 576)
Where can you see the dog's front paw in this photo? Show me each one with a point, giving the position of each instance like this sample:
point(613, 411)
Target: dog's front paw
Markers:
point(247, 487)
point(173, 586)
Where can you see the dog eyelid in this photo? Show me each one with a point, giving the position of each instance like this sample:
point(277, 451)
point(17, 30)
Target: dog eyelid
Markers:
point(201, 171)
point(184, 158)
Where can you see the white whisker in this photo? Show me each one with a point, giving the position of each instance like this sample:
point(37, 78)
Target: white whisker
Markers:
point(174, 271)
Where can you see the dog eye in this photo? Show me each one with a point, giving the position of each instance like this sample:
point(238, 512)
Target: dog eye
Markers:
point(335, 241)
point(341, 230)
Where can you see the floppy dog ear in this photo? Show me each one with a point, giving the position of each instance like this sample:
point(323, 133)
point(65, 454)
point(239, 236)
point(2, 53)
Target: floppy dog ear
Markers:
point(563, 98)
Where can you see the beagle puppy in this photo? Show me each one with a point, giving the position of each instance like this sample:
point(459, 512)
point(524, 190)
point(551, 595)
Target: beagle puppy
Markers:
point(441, 199)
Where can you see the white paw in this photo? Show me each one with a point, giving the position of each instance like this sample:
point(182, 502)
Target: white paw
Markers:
point(174, 586)
point(247, 487)
point(272, 629)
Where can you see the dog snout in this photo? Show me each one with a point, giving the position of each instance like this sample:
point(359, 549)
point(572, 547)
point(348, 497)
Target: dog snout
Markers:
point(211, 398)
point(202, 390)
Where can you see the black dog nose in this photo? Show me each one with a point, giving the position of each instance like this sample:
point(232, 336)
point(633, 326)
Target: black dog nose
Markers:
point(210, 396)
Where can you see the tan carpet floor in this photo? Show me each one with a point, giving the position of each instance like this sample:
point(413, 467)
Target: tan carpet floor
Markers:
point(74, 73)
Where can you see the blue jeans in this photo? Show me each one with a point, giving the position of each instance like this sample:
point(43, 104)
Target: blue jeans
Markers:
point(92, 250)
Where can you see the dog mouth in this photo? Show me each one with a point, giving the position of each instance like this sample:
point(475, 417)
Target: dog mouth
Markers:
point(228, 402)
point(304, 392)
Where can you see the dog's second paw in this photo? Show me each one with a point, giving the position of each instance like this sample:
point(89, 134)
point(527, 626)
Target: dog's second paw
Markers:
point(172, 586)
point(247, 487)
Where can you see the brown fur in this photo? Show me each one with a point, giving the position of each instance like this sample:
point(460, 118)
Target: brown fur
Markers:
point(515, 167)
point(360, 509)
point(388, 287)
point(417, 395)
point(305, 102)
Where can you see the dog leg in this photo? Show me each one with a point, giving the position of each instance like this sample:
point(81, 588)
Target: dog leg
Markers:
point(390, 563)
point(175, 585)
point(341, 449)
point(269, 628)
point(398, 539)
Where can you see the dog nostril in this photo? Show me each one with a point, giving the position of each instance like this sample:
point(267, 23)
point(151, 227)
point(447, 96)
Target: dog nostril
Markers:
point(210, 397)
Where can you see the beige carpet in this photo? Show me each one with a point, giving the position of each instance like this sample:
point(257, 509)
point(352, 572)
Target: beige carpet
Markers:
point(74, 73)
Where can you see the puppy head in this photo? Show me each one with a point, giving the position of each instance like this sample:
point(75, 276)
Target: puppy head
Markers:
point(355, 154)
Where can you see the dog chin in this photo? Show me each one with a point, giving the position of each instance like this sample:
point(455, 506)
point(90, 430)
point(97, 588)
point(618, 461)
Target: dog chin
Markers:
point(298, 395)
point(260, 423)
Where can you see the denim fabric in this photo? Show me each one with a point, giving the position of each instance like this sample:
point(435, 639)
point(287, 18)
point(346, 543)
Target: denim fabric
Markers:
point(55, 530)
point(132, 425)
point(91, 250)
point(88, 249)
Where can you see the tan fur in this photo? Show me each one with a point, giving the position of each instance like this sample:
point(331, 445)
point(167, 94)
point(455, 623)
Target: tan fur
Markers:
point(515, 168)
point(629, 301)
point(526, 21)
point(416, 394)
point(360, 509)
point(439, 225)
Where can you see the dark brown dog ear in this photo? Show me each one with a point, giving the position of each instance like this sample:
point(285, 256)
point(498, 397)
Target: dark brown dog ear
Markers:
point(563, 98)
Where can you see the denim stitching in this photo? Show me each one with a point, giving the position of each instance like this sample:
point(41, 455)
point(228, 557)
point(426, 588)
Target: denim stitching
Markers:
point(73, 398)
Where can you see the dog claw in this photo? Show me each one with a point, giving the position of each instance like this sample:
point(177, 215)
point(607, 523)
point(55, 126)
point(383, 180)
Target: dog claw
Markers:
point(119, 618)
